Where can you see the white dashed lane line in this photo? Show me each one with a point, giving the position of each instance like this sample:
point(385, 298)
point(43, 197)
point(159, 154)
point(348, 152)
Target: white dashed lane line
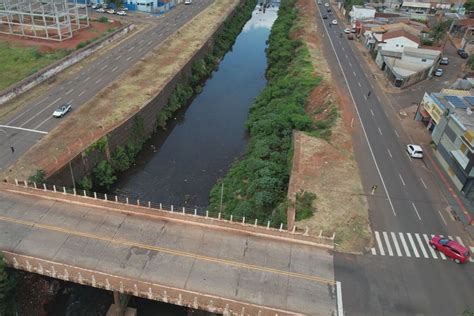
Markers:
point(423, 182)
point(389, 153)
point(401, 179)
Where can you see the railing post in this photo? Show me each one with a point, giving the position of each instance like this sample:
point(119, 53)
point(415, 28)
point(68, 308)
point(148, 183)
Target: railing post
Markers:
point(34, 184)
point(105, 197)
point(195, 212)
point(16, 181)
point(294, 229)
point(64, 190)
point(161, 206)
point(256, 221)
point(149, 204)
point(54, 188)
point(44, 187)
point(207, 214)
point(281, 227)
point(243, 220)
point(184, 210)
point(219, 215)
point(74, 191)
point(172, 208)
point(126, 200)
point(231, 216)
point(85, 193)
point(138, 202)
point(268, 225)
point(26, 183)
point(116, 199)
point(95, 195)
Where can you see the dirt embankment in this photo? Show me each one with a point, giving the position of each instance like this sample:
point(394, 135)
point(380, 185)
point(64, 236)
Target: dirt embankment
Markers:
point(122, 98)
point(329, 168)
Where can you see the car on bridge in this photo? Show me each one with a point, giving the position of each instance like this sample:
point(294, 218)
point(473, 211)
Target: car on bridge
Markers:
point(334, 22)
point(450, 248)
point(415, 151)
point(62, 110)
point(347, 30)
point(188, 1)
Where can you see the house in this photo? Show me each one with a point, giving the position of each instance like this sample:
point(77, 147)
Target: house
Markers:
point(462, 34)
point(358, 13)
point(373, 33)
point(453, 137)
point(152, 6)
point(398, 39)
point(416, 7)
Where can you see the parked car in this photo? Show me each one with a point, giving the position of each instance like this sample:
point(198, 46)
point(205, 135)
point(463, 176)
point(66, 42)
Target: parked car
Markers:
point(325, 17)
point(188, 1)
point(444, 61)
point(350, 37)
point(462, 53)
point(329, 10)
point(95, 6)
point(320, 2)
point(100, 10)
point(121, 13)
point(334, 22)
point(62, 110)
point(415, 151)
point(450, 248)
point(353, 30)
point(438, 72)
point(111, 11)
point(347, 30)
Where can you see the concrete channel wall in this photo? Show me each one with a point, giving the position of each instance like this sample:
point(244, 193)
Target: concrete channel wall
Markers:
point(53, 69)
point(83, 163)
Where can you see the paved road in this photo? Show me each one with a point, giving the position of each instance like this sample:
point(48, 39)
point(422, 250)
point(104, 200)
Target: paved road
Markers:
point(223, 263)
point(22, 130)
point(403, 211)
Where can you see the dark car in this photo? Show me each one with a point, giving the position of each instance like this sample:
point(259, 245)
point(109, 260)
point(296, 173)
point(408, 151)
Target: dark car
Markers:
point(350, 37)
point(450, 248)
point(325, 17)
point(462, 53)
point(329, 9)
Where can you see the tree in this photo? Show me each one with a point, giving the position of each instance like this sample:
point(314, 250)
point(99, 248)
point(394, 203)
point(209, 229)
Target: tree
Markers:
point(116, 3)
point(38, 177)
point(438, 31)
point(104, 174)
point(469, 5)
point(6, 290)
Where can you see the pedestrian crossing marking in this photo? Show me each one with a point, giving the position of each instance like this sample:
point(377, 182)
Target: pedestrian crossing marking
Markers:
point(389, 247)
point(420, 243)
point(391, 243)
point(397, 248)
point(379, 243)
point(415, 251)
point(404, 243)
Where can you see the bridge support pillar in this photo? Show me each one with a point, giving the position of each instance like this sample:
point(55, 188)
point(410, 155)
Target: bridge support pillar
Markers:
point(119, 307)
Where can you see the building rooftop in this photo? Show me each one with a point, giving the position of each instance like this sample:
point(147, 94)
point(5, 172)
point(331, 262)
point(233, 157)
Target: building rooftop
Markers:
point(400, 33)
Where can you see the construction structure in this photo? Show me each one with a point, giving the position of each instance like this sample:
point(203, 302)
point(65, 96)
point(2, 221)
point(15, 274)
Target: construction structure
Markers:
point(42, 19)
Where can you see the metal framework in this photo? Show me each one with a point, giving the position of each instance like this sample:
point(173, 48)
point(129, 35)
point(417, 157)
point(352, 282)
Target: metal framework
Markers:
point(43, 19)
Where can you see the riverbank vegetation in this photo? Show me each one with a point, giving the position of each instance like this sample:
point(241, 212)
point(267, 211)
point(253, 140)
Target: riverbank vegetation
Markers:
point(7, 286)
point(105, 172)
point(256, 186)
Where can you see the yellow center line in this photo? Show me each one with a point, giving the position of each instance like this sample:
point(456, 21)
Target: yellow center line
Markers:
point(169, 251)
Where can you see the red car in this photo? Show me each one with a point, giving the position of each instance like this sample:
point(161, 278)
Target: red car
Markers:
point(450, 248)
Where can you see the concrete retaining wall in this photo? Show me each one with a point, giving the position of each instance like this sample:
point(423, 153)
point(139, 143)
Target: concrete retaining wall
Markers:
point(53, 69)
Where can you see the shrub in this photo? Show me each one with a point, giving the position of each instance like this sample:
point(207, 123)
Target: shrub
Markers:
point(85, 184)
point(104, 175)
point(81, 45)
point(470, 61)
point(38, 177)
point(304, 204)
point(103, 19)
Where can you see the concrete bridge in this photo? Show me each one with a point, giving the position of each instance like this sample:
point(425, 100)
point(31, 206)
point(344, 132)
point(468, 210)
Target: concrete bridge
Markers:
point(223, 266)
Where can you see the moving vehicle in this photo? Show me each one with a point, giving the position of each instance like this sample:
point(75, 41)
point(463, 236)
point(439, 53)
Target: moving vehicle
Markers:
point(329, 10)
point(438, 72)
point(326, 4)
point(462, 53)
point(347, 30)
point(325, 17)
point(100, 10)
point(188, 1)
point(450, 248)
point(121, 13)
point(444, 61)
point(62, 110)
point(415, 151)
point(334, 22)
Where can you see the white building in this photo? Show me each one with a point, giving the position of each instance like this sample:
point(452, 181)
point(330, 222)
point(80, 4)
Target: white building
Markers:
point(358, 13)
point(398, 40)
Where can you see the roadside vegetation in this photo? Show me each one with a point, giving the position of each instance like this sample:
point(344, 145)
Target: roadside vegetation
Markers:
point(256, 186)
point(105, 172)
point(7, 293)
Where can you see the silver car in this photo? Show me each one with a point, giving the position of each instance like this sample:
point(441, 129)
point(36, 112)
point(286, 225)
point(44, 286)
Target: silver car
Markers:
point(62, 110)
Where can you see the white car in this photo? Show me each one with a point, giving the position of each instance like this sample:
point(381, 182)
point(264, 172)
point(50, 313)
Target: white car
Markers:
point(334, 22)
point(415, 151)
point(121, 13)
point(100, 10)
point(326, 4)
point(188, 1)
point(111, 11)
point(347, 30)
point(439, 72)
point(62, 110)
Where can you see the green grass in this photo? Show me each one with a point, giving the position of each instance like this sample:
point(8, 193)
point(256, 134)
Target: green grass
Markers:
point(17, 62)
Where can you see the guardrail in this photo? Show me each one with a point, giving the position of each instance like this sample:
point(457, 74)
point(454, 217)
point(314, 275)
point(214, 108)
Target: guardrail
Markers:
point(190, 215)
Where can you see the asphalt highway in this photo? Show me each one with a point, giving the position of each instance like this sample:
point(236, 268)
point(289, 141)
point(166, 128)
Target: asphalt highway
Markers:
point(23, 129)
point(400, 275)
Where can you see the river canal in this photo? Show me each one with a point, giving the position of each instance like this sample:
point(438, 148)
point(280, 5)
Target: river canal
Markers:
point(179, 166)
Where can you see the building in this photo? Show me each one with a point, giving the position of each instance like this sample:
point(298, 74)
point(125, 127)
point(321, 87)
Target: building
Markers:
point(359, 13)
point(152, 6)
point(462, 34)
point(453, 136)
point(397, 40)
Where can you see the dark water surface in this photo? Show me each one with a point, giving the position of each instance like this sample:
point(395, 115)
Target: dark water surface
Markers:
point(203, 140)
point(197, 148)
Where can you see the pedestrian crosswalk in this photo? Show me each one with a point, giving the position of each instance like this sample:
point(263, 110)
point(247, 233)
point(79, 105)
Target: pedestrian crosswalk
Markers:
point(410, 245)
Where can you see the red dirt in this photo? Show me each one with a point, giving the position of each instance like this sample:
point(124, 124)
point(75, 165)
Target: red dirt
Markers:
point(96, 29)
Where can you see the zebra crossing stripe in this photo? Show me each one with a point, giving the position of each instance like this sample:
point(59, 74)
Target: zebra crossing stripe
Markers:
point(379, 243)
point(460, 241)
point(373, 251)
point(412, 243)
point(389, 247)
point(440, 253)
point(404, 244)
point(397, 248)
point(433, 252)
point(425, 254)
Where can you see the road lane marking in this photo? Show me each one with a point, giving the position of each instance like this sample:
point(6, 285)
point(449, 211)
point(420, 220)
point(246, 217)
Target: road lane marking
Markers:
point(141, 41)
point(404, 244)
point(170, 251)
point(118, 57)
point(440, 253)
point(340, 309)
point(39, 125)
point(442, 217)
point(17, 117)
point(344, 50)
point(423, 182)
point(350, 65)
point(359, 84)
point(67, 92)
point(380, 131)
point(372, 112)
point(87, 79)
point(379, 243)
point(150, 42)
point(360, 120)
point(460, 241)
point(420, 243)
point(396, 133)
point(355, 75)
point(416, 210)
point(387, 242)
point(24, 129)
point(373, 251)
point(395, 242)
point(401, 179)
point(412, 243)
point(131, 48)
point(389, 153)
point(34, 116)
point(103, 67)
point(365, 97)
point(115, 68)
point(129, 58)
point(98, 80)
point(433, 252)
point(82, 92)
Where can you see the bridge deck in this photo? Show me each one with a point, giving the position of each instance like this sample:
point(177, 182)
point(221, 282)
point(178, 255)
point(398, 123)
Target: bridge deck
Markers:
point(239, 267)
